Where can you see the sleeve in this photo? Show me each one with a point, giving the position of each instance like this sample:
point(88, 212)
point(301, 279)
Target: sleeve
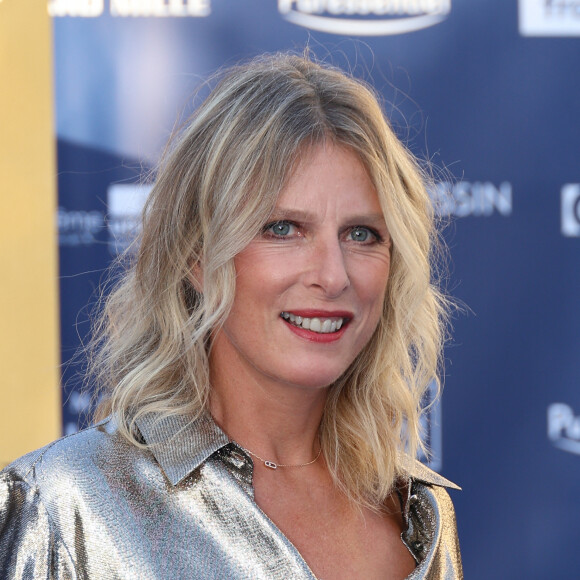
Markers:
point(29, 547)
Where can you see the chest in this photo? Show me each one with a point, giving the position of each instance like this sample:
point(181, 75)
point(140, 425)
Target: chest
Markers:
point(336, 538)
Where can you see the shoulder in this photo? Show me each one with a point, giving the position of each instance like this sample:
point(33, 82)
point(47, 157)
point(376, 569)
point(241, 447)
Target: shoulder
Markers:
point(68, 457)
point(41, 495)
point(47, 494)
point(428, 491)
point(431, 527)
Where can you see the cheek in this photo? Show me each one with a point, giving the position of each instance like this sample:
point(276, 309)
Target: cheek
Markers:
point(372, 277)
point(266, 270)
point(260, 278)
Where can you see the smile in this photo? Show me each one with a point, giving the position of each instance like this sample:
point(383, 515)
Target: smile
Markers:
point(319, 325)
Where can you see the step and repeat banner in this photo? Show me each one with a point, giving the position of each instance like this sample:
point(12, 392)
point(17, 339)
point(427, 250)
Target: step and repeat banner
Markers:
point(489, 92)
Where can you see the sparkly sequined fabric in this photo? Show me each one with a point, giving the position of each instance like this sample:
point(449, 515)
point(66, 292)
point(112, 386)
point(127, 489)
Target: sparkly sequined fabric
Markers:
point(93, 506)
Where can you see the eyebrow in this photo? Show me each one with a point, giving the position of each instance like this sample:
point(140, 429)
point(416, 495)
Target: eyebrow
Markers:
point(280, 213)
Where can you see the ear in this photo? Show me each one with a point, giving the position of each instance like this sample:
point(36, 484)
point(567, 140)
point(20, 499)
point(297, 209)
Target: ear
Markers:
point(195, 275)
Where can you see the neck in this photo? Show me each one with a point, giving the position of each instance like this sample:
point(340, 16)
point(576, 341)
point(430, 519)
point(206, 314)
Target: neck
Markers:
point(278, 422)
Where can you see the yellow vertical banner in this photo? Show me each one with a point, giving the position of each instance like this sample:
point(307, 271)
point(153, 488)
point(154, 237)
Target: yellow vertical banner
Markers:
point(30, 414)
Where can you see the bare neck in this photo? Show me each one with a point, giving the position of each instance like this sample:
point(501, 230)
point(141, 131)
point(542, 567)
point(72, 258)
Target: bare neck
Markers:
point(276, 421)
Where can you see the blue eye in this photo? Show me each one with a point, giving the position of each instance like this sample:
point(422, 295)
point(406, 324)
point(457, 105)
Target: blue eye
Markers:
point(360, 234)
point(279, 229)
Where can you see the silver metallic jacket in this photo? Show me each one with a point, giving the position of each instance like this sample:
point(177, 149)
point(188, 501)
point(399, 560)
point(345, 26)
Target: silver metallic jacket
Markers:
point(92, 505)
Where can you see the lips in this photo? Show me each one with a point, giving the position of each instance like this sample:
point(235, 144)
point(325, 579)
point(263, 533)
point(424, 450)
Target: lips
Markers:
point(317, 323)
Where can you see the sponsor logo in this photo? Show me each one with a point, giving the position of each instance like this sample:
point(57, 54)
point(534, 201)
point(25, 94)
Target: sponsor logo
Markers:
point(466, 198)
point(549, 17)
point(365, 17)
point(81, 8)
point(160, 8)
point(570, 209)
point(153, 8)
point(79, 228)
point(564, 428)
point(431, 429)
point(125, 203)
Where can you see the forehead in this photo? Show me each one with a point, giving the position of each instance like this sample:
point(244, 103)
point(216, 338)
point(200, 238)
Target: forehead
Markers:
point(330, 176)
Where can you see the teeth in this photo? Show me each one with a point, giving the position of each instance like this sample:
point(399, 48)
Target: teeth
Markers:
point(322, 326)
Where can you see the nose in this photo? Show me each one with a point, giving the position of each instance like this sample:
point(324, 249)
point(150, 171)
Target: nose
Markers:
point(328, 268)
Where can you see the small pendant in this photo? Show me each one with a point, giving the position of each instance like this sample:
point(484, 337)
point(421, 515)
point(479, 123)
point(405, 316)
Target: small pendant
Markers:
point(270, 464)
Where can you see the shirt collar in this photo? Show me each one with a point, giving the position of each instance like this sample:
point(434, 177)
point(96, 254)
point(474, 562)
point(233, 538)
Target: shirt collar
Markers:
point(417, 471)
point(181, 443)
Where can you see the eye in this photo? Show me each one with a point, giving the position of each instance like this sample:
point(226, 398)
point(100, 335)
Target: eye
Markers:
point(362, 234)
point(280, 229)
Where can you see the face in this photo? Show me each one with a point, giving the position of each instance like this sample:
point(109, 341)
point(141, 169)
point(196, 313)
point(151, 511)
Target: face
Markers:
point(310, 288)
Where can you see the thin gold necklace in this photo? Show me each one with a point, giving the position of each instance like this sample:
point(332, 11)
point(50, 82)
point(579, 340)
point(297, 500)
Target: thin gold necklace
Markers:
point(272, 465)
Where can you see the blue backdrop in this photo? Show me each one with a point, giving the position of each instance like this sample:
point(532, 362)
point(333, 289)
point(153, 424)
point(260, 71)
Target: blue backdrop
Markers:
point(489, 91)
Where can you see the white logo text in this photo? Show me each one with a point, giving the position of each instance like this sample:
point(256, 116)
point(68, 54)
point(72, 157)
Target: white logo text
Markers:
point(151, 8)
point(564, 428)
point(477, 198)
point(570, 209)
point(549, 17)
point(373, 17)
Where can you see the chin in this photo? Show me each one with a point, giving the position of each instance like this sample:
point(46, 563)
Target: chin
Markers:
point(314, 380)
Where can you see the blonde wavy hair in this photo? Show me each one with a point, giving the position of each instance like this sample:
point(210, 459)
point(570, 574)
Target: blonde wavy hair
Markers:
point(214, 191)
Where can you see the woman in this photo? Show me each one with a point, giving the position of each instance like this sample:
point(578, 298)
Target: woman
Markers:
point(262, 363)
